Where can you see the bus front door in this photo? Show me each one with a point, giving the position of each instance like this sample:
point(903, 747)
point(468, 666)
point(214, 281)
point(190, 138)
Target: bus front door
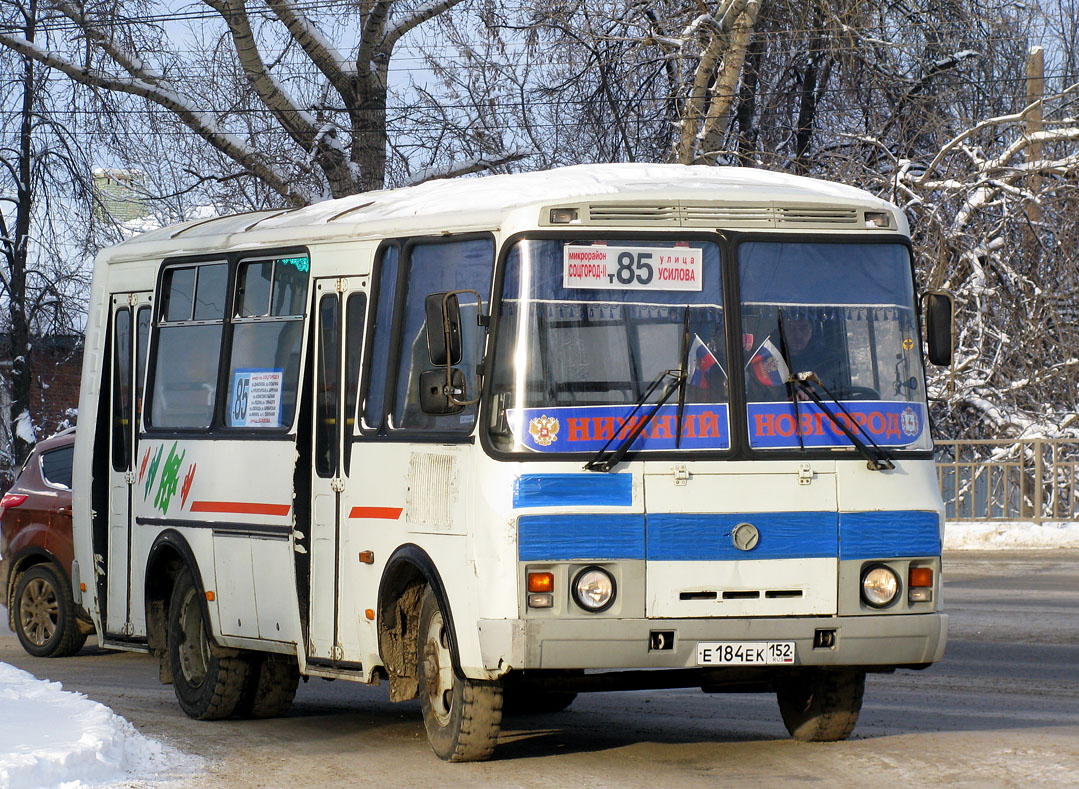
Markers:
point(332, 635)
point(130, 334)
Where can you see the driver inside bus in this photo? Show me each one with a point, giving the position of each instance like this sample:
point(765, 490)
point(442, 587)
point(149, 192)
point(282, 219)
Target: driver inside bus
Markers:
point(807, 351)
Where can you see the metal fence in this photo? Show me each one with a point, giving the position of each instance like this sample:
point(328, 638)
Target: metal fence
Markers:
point(1001, 480)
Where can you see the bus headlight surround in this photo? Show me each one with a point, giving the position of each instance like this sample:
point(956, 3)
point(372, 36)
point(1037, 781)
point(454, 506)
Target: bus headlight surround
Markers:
point(880, 585)
point(594, 589)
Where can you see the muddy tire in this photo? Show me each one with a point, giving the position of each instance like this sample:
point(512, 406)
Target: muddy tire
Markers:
point(462, 716)
point(44, 613)
point(821, 706)
point(271, 686)
point(208, 686)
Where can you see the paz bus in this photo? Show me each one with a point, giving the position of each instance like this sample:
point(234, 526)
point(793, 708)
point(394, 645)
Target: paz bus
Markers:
point(503, 440)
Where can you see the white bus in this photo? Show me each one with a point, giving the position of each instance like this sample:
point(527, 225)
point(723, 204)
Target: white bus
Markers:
point(503, 440)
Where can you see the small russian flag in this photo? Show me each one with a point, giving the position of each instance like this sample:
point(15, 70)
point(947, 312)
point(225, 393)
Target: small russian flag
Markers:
point(768, 366)
point(703, 360)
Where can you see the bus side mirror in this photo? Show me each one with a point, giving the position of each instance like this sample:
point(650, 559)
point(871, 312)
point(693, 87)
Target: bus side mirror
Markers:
point(441, 392)
point(939, 312)
point(443, 328)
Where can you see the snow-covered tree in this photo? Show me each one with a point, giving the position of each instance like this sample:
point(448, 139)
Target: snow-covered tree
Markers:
point(43, 235)
point(290, 95)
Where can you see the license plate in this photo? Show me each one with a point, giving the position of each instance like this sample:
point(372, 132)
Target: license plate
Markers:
point(745, 653)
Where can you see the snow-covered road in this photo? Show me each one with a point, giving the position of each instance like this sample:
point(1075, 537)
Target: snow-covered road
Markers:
point(53, 738)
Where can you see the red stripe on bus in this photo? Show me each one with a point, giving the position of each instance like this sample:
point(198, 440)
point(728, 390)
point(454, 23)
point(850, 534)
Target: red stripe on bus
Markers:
point(240, 507)
point(385, 513)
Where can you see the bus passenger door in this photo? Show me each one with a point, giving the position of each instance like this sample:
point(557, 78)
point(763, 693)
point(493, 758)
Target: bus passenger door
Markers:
point(130, 334)
point(327, 478)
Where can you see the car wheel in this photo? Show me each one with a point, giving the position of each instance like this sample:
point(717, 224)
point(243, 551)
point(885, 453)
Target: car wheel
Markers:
point(208, 684)
point(44, 613)
point(462, 716)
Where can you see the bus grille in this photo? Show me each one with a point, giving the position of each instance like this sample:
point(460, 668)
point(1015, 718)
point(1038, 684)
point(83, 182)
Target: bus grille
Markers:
point(718, 215)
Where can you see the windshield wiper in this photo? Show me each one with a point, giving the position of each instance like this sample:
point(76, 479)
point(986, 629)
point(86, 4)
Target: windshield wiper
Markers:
point(878, 459)
point(682, 378)
point(604, 462)
point(789, 382)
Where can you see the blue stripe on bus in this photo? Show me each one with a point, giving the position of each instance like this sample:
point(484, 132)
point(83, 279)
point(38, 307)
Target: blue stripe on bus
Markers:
point(569, 490)
point(888, 535)
point(586, 537)
point(707, 538)
point(689, 537)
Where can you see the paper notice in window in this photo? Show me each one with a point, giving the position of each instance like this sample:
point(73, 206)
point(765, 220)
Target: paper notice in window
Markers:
point(256, 398)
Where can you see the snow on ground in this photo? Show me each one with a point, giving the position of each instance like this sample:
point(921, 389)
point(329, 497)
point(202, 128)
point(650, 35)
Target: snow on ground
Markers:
point(50, 737)
point(53, 738)
point(1010, 536)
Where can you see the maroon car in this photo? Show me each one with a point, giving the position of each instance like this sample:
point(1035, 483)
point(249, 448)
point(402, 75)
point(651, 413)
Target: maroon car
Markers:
point(36, 553)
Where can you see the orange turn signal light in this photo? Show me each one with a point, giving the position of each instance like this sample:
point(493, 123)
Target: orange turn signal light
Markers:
point(210, 596)
point(541, 582)
point(921, 577)
point(370, 614)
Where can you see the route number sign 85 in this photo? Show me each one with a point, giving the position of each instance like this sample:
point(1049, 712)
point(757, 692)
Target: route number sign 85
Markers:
point(601, 267)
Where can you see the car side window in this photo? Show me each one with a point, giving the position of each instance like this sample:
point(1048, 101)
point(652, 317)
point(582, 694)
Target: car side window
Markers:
point(56, 466)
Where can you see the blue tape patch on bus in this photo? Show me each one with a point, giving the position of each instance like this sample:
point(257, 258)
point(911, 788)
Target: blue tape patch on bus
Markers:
point(893, 424)
point(589, 428)
point(888, 535)
point(584, 537)
point(569, 490)
point(707, 538)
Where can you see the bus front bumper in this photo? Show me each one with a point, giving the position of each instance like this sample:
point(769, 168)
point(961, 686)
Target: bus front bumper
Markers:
point(914, 640)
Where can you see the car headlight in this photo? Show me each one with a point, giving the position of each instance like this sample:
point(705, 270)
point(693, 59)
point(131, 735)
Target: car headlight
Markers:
point(594, 589)
point(880, 585)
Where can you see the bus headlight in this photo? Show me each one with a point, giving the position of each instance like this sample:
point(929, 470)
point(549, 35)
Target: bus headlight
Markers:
point(880, 585)
point(594, 589)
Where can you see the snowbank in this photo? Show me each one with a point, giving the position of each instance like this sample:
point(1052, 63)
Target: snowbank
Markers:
point(1009, 536)
point(50, 737)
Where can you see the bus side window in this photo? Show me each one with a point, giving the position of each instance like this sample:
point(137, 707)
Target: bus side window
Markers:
point(378, 344)
point(267, 332)
point(355, 314)
point(189, 328)
point(433, 268)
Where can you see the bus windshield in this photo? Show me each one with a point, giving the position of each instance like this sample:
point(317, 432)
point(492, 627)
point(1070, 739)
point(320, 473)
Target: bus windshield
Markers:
point(585, 330)
point(845, 313)
point(586, 327)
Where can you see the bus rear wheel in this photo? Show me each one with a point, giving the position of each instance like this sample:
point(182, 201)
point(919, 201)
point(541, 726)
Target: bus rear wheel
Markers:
point(208, 685)
point(462, 716)
point(271, 686)
point(821, 706)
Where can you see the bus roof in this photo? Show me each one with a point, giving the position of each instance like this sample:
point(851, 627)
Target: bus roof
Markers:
point(482, 203)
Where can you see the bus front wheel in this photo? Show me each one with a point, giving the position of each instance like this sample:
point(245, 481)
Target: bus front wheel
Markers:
point(462, 716)
point(208, 685)
point(819, 705)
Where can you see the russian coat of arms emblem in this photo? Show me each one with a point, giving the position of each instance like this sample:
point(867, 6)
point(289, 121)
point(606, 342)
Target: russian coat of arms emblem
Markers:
point(544, 430)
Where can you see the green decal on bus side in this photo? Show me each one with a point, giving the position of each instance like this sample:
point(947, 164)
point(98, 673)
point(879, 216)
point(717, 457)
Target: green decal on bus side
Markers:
point(170, 478)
